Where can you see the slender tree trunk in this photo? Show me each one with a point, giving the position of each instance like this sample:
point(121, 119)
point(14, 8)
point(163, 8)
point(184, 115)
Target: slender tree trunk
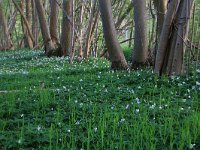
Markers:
point(140, 52)
point(66, 27)
point(28, 17)
point(25, 20)
point(51, 49)
point(6, 43)
point(24, 42)
point(121, 19)
point(161, 8)
point(35, 24)
point(89, 30)
point(54, 21)
point(115, 51)
point(80, 50)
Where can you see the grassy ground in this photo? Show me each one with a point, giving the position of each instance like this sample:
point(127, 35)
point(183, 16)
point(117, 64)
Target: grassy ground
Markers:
point(48, 104)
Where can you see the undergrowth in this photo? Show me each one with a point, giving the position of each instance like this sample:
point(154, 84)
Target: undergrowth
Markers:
point(47, 103)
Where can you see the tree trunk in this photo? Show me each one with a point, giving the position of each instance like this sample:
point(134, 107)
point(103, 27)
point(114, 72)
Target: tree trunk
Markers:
point(182, 36)
point(171, 48)
point(163, 43)
point(66, 28)
point(81, 15)
point(140, 52)
point(54, 21)
point(6, 43)
point(51, 49)
point(89, 30)
point(161, 8)
point(115, 51)
point(35, 24)
point(28, 40)
point(27, 25)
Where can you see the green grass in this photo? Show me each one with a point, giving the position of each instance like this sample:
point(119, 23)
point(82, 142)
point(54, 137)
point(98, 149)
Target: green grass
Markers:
point(48, 104)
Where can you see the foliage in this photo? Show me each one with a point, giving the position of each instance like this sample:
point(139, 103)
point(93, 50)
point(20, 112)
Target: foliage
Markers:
point(48, 104)
point(128, 53)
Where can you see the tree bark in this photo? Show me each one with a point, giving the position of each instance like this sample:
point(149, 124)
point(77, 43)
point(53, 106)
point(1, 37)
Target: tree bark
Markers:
point(35, 24)
point(140, 52)
point(182, 26)
point(89, 30)
point(54, 21)
point(6, 43)
point(115, 51)
point(161, 8)
point(171, 48)
point(28, 17)
point(163, 43)
point(51, 49)
point(66, 28)
point(25, 20)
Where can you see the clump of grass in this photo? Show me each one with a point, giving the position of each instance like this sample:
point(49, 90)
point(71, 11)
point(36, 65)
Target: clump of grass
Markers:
point(48, 104)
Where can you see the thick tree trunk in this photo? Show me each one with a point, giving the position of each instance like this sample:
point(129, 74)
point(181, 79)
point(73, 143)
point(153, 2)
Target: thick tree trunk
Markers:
point(182, 36)
point(115, 51)
point(163, 43)
point(140, 52)
point(171, 48)
point(66, 28)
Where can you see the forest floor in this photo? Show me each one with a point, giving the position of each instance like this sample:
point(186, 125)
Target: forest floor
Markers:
point(47, 103)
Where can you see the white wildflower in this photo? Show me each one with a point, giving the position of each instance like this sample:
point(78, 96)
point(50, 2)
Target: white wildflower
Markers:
point(19, 141)
point(137, 110)
point(152, 106)
point(184, 100)
point(77, 123)
point(38, 127)
point(95, 129)
point(179, 84)
point(192, 146)
point(132, 91)
point(137, 100)
point(122, 120)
